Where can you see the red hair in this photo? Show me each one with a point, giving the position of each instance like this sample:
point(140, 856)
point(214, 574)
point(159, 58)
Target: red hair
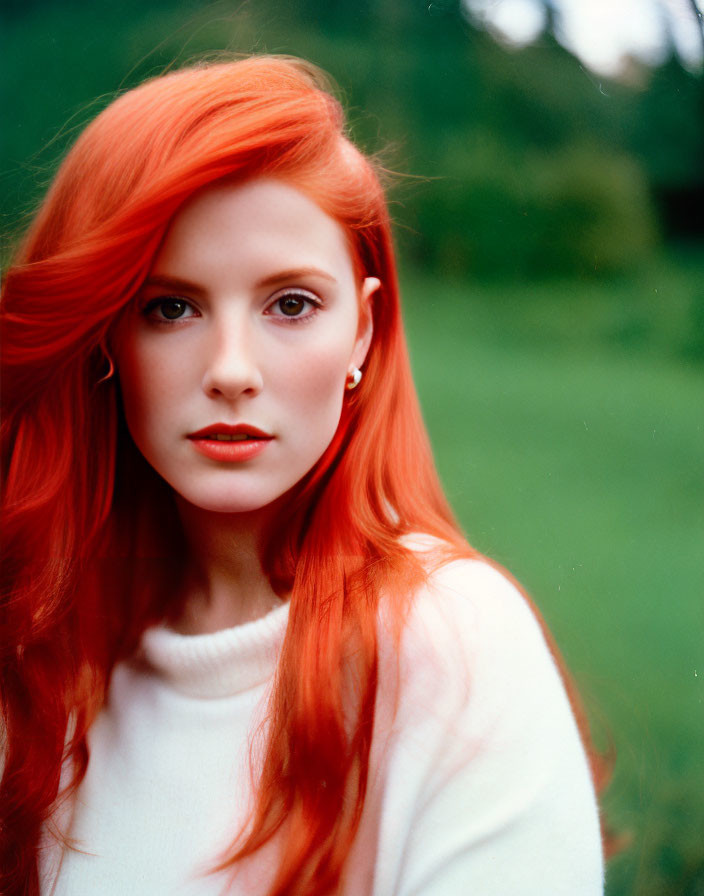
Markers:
point(87, 566)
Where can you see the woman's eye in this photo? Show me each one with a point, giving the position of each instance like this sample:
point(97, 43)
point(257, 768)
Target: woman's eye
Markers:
point(294, 304)
point(168, 309)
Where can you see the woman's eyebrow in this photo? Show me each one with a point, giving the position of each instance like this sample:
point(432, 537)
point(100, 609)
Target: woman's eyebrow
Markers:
point(175, 283)
point(295, 274)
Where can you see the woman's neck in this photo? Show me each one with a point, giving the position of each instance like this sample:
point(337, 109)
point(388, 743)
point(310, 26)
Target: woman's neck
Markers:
point(224, 582)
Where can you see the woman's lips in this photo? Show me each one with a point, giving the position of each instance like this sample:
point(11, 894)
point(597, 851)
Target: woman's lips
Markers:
point(227, 442)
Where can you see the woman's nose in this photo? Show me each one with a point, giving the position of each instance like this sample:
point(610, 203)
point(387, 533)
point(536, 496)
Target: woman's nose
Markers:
point(231, 367)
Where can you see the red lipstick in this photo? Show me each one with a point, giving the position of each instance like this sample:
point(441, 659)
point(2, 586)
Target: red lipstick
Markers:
point(225, 442)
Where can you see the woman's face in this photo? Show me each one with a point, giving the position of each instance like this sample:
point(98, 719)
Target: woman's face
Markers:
point(234, 358)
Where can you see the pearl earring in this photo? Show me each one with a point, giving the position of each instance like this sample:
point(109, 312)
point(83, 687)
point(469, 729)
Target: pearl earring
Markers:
point(353, 378)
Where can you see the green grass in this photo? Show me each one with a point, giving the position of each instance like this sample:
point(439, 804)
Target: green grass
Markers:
point(574, 455)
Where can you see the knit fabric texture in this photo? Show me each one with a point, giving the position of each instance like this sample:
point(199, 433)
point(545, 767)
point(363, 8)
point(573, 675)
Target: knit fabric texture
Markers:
point(478, 781)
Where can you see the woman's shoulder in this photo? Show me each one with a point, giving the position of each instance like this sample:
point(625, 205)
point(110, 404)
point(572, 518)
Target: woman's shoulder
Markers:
point(472, 652)
point(483, 740)
point(470, 603)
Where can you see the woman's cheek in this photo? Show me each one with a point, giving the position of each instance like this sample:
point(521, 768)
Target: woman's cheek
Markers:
point(152, 390)
point(319, 378)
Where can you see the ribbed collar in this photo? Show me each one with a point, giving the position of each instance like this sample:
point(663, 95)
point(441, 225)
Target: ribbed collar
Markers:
point(220, 664)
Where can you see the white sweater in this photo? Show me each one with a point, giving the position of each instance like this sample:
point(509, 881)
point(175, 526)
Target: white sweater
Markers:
point(479, 785)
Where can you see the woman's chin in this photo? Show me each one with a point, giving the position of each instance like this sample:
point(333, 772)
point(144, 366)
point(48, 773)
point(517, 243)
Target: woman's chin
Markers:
point(226, 503)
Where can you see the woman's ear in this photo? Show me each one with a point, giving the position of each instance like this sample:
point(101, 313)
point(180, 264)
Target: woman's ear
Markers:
point(365, 327)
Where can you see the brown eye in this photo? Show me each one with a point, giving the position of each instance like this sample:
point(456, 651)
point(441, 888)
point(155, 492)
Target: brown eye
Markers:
point(295, 305)
point(172, 309)
point(292, 304)
point(167, 309)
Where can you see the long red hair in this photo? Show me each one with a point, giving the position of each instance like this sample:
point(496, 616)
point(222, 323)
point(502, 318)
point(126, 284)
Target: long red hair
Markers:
point(89, 564)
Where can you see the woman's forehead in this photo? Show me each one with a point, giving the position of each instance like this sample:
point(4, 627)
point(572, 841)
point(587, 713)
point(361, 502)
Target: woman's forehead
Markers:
point(254, 223)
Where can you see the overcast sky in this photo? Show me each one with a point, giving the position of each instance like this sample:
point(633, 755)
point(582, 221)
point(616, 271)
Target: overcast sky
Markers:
point(601, 32)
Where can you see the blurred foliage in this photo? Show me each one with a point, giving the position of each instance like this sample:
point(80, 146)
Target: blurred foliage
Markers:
point(577, 209)
point(529, 165)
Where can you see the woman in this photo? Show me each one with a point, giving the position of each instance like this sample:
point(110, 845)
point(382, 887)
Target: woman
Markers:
point(245, 647)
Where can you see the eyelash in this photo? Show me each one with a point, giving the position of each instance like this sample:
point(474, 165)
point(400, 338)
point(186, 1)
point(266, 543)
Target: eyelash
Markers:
point(315, 303)
point(304, 294)
point(151, 306)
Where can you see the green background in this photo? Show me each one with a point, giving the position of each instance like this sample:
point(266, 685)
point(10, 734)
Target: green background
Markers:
point(554, 290)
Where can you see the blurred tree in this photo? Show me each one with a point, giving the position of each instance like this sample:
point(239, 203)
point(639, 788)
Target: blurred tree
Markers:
point(430, 83)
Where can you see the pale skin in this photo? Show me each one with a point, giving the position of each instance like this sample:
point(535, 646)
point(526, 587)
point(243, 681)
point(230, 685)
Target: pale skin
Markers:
point(252, 314)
